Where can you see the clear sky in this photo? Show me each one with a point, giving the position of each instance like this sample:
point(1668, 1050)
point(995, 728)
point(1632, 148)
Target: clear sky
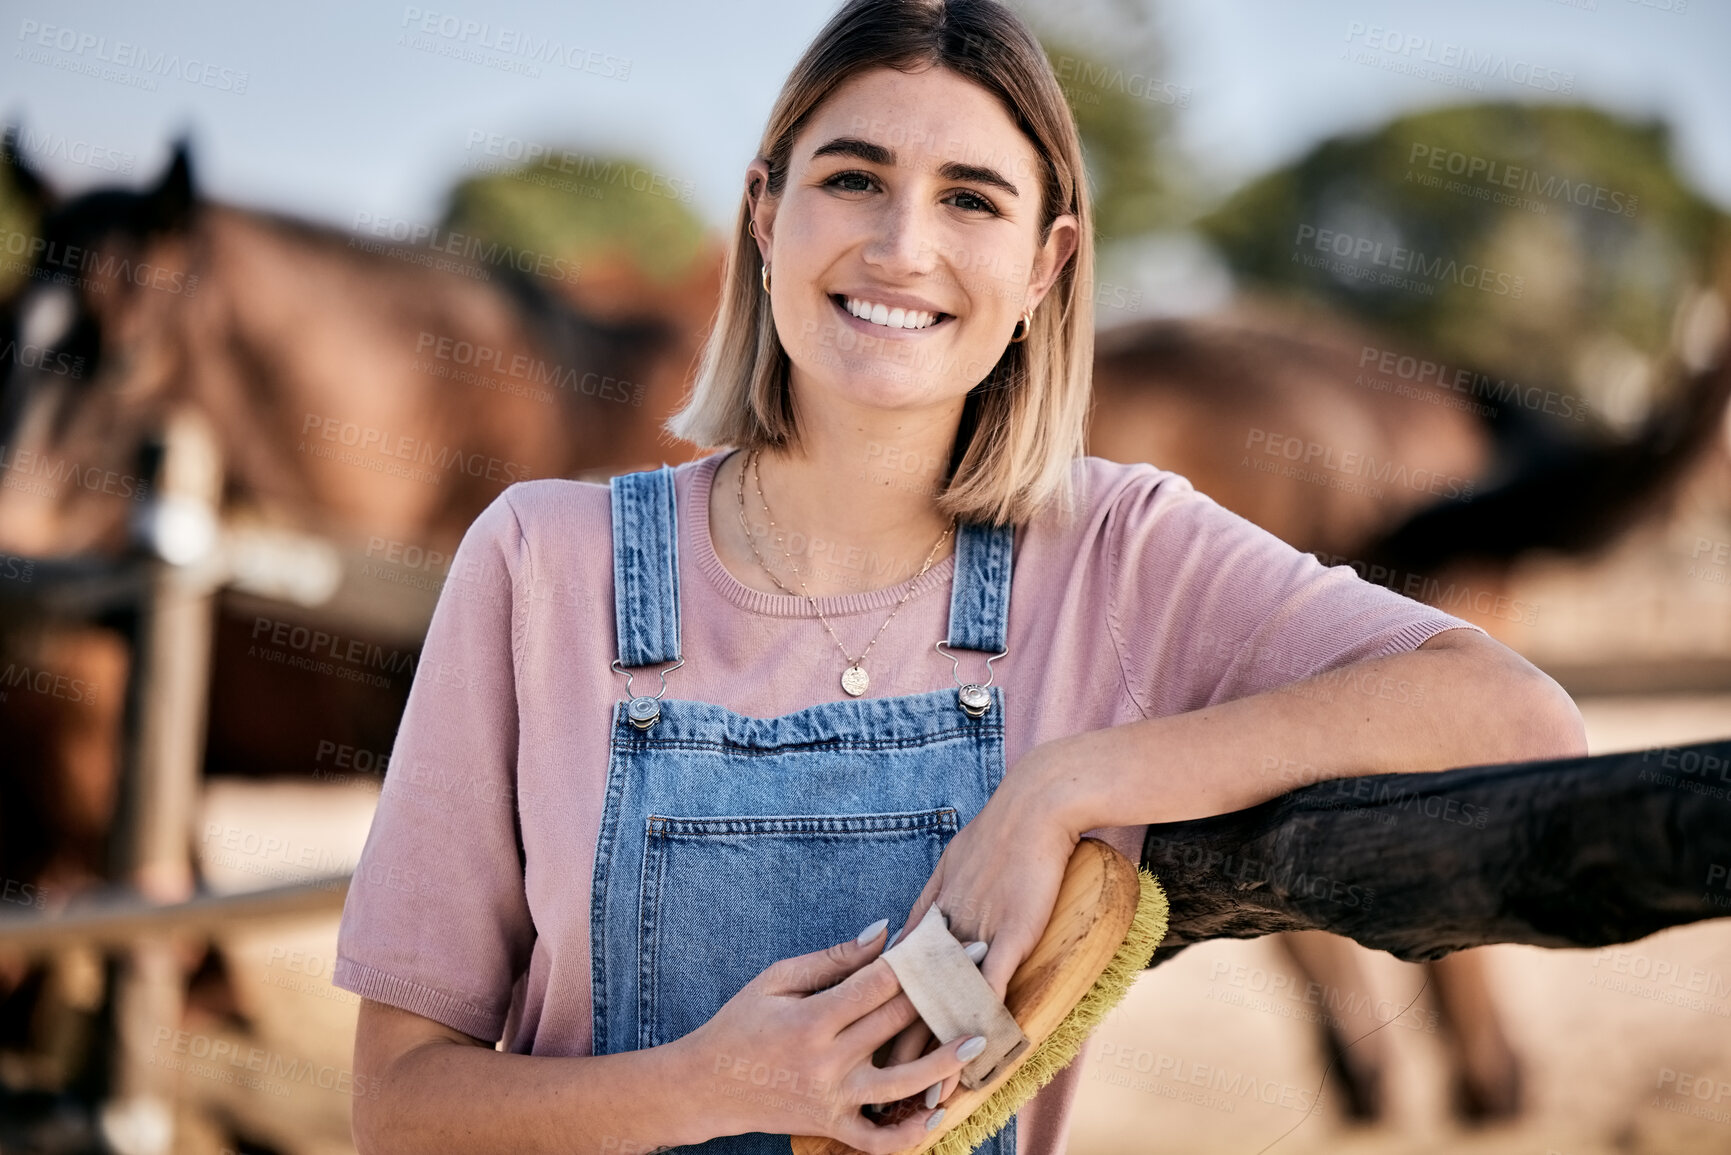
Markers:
point(334, 109)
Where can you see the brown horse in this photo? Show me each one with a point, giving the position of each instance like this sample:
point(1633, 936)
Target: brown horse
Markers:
point(372, 394)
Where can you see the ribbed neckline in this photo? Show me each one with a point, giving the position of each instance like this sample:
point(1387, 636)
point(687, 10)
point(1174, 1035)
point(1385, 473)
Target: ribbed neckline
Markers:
point(697, 536)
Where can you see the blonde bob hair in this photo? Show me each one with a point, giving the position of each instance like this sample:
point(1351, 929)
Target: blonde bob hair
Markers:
point(1023, 425)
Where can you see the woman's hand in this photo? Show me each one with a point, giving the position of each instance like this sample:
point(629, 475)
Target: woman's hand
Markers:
point(997, 881)
point(791, 1052)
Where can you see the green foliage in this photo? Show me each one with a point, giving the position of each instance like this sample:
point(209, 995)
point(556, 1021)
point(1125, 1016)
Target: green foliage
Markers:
point(1522, 234)
point(1123, 110)
point(581, 207)
point(17, 218)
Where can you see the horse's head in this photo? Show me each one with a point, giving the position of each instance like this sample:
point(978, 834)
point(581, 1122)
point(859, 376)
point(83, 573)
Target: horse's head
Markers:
point(91, 352)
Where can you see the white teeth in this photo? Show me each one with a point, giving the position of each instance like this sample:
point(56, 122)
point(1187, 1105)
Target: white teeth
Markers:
point(888, 317)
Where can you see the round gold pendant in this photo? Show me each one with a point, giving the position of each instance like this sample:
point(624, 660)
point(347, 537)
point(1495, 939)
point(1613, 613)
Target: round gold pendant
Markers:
point(854, 680)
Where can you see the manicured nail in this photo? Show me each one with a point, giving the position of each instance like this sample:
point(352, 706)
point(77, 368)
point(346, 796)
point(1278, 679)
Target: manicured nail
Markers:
point(937, 1117)
point(932, 1093)
point(871, 931)
point(893, 937)
point(971, 1048)
point(976, 951)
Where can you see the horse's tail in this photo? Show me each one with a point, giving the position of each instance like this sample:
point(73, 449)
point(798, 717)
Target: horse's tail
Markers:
point(1572, 497)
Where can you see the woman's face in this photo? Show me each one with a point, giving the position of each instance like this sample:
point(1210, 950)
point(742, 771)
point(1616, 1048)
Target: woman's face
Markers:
point(905, 244)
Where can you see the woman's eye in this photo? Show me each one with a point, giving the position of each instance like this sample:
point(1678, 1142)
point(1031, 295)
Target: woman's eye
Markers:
point(974, 202)
point(837, 181)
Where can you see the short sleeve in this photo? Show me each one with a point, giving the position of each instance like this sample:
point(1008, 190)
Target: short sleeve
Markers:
point(437, 921)
point(1206, 606)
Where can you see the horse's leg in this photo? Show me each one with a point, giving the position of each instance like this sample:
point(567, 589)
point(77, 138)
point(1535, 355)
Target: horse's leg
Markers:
point(1486, 1071)
point(1329, 962)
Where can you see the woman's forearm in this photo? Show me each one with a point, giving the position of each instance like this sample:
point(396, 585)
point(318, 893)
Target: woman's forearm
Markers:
point(446, 1096)
point(1458, 700)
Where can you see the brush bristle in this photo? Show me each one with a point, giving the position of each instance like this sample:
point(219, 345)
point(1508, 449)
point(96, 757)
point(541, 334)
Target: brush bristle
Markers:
point(1146, 931)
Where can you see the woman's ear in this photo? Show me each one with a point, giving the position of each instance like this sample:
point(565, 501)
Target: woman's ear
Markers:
point(760, 204)
point(1060, 246)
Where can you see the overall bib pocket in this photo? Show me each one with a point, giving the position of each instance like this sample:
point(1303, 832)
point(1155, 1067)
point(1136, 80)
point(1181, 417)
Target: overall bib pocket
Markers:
point(722, 898)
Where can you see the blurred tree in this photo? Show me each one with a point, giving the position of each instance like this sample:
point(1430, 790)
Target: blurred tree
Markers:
point(601, 212)
point(1123, 104)
point(1555, 243)
point(19, 212)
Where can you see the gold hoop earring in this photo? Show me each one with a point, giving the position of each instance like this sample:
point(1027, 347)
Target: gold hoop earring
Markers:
point(751, 227)
point(1024, 323)
point(763, 277)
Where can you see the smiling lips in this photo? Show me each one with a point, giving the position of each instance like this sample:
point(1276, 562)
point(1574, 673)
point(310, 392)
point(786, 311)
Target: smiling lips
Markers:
point(891, 318)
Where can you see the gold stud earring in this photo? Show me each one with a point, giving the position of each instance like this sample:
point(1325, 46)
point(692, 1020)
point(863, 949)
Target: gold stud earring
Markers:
point(1024, 325)
point(763, 277)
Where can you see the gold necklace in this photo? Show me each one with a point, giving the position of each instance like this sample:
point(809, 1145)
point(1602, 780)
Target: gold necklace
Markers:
point(854, 679)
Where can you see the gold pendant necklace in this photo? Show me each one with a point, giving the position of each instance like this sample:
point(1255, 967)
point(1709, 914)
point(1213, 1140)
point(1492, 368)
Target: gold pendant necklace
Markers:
point(854, 679)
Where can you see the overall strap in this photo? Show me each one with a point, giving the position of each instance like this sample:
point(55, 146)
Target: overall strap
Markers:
point(980, 590)
point(646, 567)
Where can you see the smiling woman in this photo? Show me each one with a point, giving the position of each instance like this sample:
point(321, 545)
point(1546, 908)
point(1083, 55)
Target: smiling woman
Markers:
point(635, 920)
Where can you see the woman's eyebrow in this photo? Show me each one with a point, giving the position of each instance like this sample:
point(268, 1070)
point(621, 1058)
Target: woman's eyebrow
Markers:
point(877, 154)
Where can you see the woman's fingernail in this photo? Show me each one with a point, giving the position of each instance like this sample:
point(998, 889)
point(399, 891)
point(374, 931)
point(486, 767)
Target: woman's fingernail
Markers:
point(932, 1093)
point(976, 951)
point(937, 1117)
point(971, 1048)
point(871, 931)
point(893, 937)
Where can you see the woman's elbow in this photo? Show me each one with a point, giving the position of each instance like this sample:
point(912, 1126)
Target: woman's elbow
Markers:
point(1548, 724)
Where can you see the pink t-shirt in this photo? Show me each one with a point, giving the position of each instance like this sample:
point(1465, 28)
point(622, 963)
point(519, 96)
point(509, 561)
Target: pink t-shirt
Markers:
point(470, 902)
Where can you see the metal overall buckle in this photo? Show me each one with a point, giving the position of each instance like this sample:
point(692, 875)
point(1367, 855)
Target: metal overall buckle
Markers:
point(972, 696)
point(644, 710)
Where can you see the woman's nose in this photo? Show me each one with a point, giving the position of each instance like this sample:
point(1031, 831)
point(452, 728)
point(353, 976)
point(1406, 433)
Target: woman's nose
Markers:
point(904, 243)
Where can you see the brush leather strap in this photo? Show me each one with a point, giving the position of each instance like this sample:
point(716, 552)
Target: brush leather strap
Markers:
point(953, 997)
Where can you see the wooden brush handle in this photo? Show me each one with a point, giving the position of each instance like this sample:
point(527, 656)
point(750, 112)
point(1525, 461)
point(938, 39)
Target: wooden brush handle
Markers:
point(1096, 904)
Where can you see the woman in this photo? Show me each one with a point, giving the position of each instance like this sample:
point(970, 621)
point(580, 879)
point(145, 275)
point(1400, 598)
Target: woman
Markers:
point(841, 708)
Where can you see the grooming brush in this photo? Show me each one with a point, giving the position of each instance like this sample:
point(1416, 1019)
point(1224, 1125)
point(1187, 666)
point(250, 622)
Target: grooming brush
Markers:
point(1108, 918)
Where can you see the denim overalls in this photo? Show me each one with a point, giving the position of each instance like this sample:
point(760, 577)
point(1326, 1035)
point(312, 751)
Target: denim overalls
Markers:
point(728, 842)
